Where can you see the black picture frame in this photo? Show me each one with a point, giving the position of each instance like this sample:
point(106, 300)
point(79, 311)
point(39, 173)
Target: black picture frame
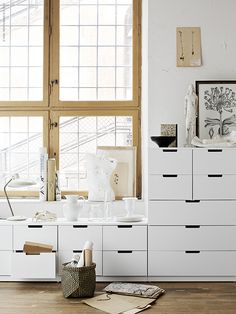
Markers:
point(216, 107)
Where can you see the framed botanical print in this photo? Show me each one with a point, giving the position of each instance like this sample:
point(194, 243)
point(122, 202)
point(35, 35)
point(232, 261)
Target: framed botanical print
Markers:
point(217, 108)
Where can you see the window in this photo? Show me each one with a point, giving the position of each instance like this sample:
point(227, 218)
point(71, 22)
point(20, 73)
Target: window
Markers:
point(70, 81)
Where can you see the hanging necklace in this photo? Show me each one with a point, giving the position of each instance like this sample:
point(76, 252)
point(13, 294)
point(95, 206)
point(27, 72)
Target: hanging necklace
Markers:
point(181, 46)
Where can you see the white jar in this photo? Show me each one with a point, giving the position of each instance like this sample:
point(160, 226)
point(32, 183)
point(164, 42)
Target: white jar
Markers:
point(72, 207)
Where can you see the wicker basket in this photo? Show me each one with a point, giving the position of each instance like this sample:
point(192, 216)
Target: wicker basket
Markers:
point(78, 282)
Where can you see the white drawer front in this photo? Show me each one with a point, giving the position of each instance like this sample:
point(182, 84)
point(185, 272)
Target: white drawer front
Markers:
point(214, 187)
point(5, 263)
point(182, 238)
point(192, 264)
point(207, 161)
point(170, 187)
point(133, 263)
point(35, 233)
point(199, 213)
point(73, 237)
point(170, 161)
point(33, 266)
point(125, 237)
point(65, 256)
point(5, 238)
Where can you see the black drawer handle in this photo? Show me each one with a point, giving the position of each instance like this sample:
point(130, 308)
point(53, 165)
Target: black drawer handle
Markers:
point(80, 226)
point(170, 175)
point(215, 175)
point(19, 251)
point(124, 252)
point(192, 252)
point(124, 226)
point(192, 201)
point(169, 150)
point(192, 227)
point(35, 226)
point(215, 150)
point(77, 251)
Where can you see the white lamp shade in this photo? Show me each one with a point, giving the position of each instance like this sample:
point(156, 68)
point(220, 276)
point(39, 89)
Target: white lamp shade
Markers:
point(21, 183)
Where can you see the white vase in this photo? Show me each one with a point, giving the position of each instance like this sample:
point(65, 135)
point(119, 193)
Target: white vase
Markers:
point(72, 207)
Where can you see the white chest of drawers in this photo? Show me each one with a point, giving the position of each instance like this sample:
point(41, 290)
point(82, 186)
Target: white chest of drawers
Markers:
point(192, 225)
point(120, 250)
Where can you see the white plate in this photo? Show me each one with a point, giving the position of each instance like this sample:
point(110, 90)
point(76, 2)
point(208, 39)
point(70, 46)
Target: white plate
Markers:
point(135, 218)
point(17, 218)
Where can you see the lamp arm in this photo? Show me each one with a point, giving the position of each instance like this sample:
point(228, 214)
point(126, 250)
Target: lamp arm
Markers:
point(5, 191)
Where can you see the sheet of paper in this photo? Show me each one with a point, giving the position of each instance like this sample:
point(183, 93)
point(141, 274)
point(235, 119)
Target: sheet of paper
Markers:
point(116, 304)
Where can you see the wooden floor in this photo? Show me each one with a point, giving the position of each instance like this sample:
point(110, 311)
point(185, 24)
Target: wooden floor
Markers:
point(46, 298)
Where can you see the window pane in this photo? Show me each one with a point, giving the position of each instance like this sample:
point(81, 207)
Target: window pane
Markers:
point(21, 138)
point(80, 135)
point(101, 39)
point(21, 46)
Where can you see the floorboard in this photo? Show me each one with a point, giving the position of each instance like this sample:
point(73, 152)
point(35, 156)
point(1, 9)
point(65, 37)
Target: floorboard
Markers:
point(180, 298)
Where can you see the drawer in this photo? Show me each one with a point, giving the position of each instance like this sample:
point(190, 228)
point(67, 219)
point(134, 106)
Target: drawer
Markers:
point(215, 187)
point(124, 237)
point(170, 161)
point(73, 237)
point(34, 266)
point(5, 263)
point(65, 256)
point(125, 263)
point(192, 264)
point(35, 233)
point(192, 213)
point(170, 187)
point(182, 238)
point(5, 238)
point(214, 161)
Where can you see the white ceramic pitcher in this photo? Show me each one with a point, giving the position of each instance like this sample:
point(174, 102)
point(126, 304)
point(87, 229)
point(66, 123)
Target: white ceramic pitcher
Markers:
point(72, 207)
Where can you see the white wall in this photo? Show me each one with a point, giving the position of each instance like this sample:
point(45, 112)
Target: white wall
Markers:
point(167, 84)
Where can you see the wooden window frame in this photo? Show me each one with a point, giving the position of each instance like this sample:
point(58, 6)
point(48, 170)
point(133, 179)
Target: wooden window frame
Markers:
point(51, 108)
point(36, 113)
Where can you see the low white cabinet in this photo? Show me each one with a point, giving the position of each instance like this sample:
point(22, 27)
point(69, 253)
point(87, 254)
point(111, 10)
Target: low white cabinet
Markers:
point(192, 226)
point(120, 250)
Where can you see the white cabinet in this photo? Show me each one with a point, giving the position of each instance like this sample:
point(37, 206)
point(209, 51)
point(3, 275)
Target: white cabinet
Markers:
point(34, 233)
point(5, 238)
point(192, 224)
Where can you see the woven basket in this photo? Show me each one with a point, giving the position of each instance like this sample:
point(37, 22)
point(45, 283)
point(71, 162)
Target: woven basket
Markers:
point(78, 282)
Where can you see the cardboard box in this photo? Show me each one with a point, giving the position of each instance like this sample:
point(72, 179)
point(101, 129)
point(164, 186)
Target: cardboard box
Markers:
point(33, 247)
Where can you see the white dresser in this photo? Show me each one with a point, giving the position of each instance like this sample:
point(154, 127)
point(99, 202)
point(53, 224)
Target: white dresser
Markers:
point(192, 214)
point(120, 250)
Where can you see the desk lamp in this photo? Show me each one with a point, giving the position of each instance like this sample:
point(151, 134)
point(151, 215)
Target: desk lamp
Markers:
point(16, 182)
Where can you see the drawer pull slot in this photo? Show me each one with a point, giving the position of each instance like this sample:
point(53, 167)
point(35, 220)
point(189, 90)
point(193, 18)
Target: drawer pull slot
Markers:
point(19, 251)
point(192, 227)
point(170, 175)
point(77, 251)
point(192, 201)
point(124, 226)
point(125, 252)
point(35, 226)
point(215, 175)
point(192, 252)
point(80, 226)
point(169, 150)
point(215, 150)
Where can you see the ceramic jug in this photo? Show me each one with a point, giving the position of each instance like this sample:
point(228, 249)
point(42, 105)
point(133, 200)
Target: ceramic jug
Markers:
point(72, 207)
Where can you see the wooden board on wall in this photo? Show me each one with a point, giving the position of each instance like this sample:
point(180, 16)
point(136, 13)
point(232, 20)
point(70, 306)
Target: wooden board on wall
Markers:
point(188, 43)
